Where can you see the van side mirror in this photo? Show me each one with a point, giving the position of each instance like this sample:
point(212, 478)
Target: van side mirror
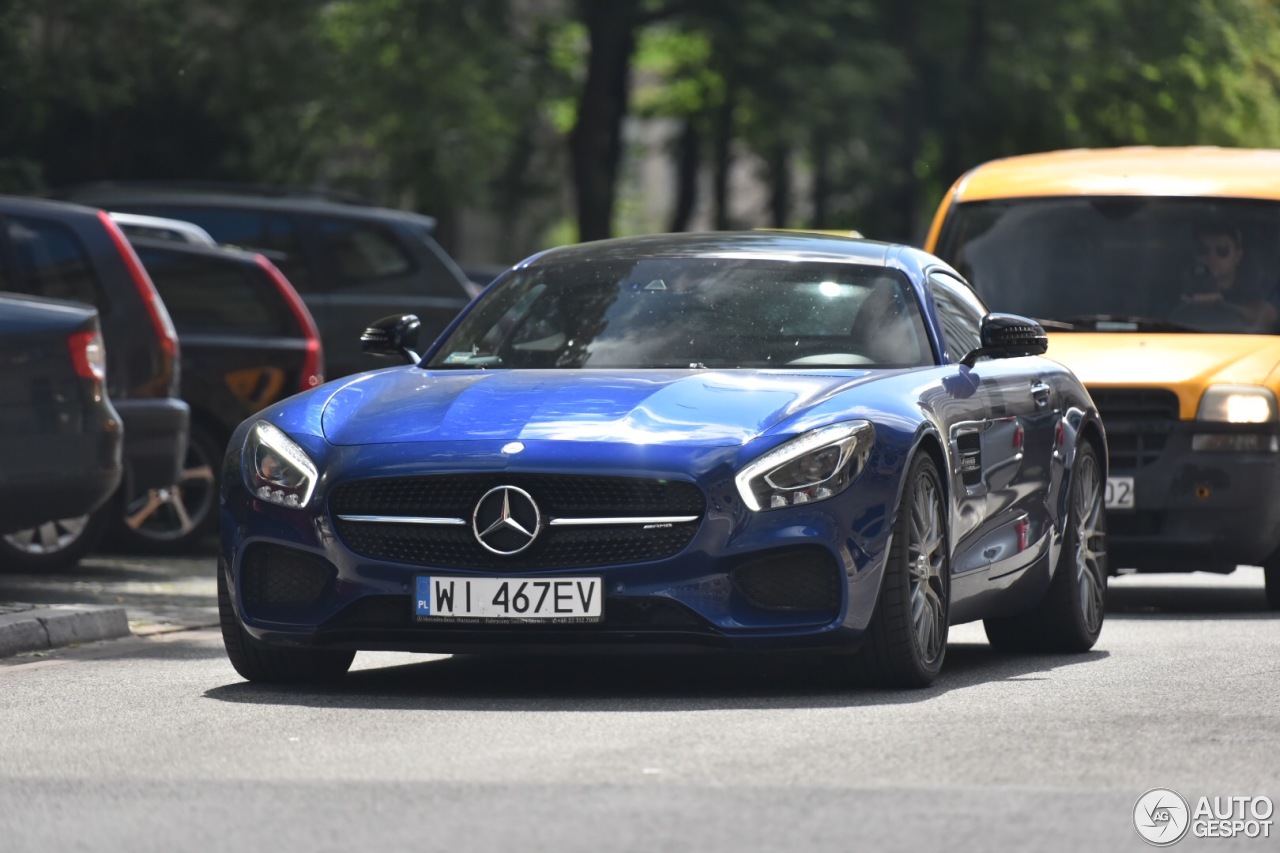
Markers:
point(1008, 336)
point(395, 336)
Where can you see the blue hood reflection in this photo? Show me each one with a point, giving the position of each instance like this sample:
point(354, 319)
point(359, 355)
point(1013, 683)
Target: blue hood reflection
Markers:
point(706, 408)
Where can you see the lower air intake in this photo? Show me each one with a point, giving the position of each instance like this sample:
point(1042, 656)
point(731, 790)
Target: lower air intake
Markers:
point(275, 577)
point(794, 579)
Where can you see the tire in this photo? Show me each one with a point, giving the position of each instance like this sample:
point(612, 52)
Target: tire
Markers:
point(906, 641)
point(1272, 573)
point(1070, 617)
point(176, 519)
point(55, 545)
point(257, 662)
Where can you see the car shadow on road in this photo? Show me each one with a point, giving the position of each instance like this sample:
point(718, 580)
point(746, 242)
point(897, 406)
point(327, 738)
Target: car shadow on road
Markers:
point(1182, 598)
point(637, 683)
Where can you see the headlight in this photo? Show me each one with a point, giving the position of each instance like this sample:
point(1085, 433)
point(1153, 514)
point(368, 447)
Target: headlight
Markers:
point(276, 469)
point(812, 467)
point(1237, 404)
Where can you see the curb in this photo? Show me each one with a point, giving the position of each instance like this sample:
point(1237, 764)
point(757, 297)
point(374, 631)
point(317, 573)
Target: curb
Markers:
point(58, 625)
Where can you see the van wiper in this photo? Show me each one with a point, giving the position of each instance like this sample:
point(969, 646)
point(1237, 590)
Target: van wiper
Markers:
point(1118, 323)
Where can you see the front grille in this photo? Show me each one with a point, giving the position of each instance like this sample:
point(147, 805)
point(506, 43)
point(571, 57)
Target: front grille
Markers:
point(282, 578)
point(557, 496)
point(396, 611)
point(794, 579)
point(1138, 423)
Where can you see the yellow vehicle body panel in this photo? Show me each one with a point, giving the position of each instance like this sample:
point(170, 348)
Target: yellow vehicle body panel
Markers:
point(1185, 364)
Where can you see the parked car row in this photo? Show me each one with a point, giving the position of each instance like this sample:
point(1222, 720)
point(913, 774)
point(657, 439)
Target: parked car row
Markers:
point(199, 328)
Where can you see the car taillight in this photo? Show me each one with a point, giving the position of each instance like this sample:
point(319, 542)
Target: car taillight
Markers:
point(313, 365)
point(88, 355)
point(159, 315)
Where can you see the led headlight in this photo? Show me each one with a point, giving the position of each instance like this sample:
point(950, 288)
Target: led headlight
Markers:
point(276, 469)
point(812, 467)
point(1237, 404)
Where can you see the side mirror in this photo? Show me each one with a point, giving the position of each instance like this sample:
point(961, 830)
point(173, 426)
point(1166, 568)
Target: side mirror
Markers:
point(395, 336)
point(1008, 336)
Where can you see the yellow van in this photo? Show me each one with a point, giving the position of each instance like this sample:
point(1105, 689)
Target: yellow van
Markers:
point(1156, 272)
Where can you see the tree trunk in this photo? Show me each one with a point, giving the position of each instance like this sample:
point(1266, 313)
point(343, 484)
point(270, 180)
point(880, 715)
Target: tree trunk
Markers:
point(595, 144)
point(905, 193)
point(968, 115)
point(779, 185)
point(723, 154)
point(821, 153)
point(688, 159)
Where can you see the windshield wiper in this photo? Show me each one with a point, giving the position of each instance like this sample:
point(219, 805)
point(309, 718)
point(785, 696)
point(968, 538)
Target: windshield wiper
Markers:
point(1115, 323)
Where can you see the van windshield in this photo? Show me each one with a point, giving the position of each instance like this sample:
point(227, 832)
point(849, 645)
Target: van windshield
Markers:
point(1123, 263)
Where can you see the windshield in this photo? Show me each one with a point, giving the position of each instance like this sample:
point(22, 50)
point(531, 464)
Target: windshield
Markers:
point(1123, 263)
point(691, 313)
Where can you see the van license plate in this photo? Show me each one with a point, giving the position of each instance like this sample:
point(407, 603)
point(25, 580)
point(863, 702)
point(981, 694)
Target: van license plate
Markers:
point(1120, 494)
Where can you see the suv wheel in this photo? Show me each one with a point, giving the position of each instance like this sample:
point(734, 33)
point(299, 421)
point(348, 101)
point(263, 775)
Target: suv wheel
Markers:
point(54, 545)
point(175, 519)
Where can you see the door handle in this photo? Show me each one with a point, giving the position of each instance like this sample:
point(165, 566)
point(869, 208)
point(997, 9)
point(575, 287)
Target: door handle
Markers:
point(1040, 392)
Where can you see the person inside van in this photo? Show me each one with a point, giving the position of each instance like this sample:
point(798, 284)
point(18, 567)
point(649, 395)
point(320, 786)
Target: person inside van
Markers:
point(1220, 295)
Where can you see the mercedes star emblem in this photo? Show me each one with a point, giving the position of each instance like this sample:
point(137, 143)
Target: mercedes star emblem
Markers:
point(506, 520)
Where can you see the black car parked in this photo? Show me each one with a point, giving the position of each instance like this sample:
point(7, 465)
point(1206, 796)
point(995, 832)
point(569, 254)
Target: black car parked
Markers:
point(248, 341)
point(71, 252)
point(60, 437)
point(352, 263)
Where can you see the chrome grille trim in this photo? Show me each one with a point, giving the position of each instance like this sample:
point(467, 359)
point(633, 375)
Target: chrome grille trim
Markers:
point(405, 519)
point(656, 519)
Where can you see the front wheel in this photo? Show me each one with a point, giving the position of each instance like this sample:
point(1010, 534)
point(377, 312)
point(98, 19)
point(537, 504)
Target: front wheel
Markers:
point(906, 641)
point(1069, 618)
point(257, 662)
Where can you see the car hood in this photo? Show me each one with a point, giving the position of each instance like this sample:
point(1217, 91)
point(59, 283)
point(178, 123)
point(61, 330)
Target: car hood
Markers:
point(1183, 363)
point(705, 408)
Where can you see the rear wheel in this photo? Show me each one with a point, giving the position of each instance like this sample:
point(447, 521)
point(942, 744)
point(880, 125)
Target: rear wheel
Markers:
point(176, 518)
point(906, 640)
point(1070, 617)
point(257, 662)
point(54, 545)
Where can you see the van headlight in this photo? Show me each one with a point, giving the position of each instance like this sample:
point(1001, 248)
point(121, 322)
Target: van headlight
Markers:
point(275, 468)
point(1237, 404)
point(811, 467)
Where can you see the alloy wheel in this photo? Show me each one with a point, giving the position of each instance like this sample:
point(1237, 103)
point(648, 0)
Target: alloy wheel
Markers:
point(174, 512)
point(926, 555)
point(52, 537)
point(1090, 545)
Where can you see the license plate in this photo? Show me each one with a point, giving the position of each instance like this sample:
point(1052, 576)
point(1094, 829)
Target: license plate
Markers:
point(497, 600)
point(1120, 494)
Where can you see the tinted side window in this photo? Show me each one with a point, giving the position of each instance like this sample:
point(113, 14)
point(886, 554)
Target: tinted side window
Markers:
point(51, 261)
point(361, 252)
point(211, 296)
point(960, 314)
point(272, 233)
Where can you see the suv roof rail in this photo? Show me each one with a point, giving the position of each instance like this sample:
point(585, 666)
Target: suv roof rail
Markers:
point(225, 187)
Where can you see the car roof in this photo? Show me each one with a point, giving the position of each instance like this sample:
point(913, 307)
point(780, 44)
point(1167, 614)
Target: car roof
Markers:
point(763, 245)
point(110, 194)
point(1201, 171)
point(39, 206)
point(225, 253)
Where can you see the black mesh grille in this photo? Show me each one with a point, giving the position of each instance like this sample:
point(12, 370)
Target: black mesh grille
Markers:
point(456, 496)
point(395, 611)
point(795, 579)
point(274, 577)
point(1138, 423)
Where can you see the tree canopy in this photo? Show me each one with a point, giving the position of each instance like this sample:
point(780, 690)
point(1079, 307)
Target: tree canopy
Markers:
point(848, 113)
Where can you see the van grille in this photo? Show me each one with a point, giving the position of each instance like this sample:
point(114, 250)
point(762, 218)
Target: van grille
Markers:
point(1138, 421)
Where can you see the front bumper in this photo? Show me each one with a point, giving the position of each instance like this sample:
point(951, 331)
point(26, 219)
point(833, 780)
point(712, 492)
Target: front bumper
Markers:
point(155, 440)
point(1197, 510)
point(710, 594)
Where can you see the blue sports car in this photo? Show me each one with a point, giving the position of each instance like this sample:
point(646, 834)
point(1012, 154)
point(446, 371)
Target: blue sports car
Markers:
point(761, 441)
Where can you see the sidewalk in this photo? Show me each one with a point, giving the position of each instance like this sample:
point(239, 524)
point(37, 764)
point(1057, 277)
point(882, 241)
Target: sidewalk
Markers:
point(32, 627)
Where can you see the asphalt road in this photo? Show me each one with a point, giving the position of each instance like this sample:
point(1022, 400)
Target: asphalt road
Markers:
point(154, 743)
